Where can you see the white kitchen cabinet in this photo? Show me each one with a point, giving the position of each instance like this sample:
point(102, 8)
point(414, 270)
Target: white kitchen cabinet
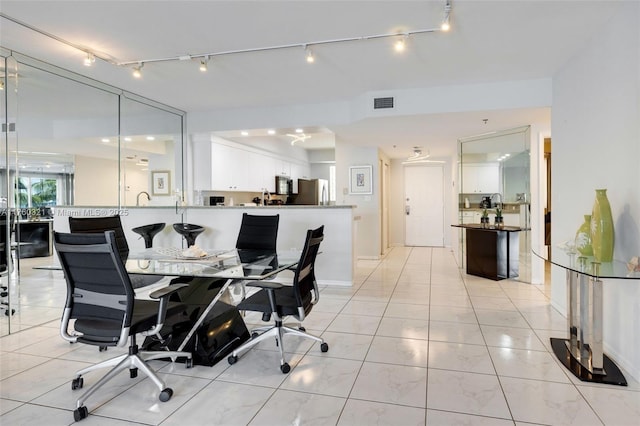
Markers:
point(229, 168)
point(202, 166)
point(511, 219)
point(483, 178)
point(222, 167)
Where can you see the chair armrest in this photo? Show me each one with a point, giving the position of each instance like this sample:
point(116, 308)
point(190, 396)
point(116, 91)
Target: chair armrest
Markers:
point(165, 291)
point(265, 284)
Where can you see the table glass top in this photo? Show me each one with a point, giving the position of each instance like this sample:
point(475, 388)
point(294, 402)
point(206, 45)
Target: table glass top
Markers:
point(240, 264)
point(569, 258)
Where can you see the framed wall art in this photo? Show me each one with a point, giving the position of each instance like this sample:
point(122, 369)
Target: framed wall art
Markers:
point(360, 180)
point(161, 182)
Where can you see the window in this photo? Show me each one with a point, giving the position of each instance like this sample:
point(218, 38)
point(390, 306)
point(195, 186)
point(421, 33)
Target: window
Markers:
point(36, 192)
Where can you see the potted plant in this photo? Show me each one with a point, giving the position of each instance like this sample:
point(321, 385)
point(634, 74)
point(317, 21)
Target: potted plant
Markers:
point(484, 220)
point(499, 219)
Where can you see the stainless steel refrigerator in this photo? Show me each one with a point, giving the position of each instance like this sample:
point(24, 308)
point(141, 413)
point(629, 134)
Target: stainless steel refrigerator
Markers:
point(313, 192)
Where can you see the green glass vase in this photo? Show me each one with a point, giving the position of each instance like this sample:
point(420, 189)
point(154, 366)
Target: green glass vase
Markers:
point(583, 237)
point(602, 228)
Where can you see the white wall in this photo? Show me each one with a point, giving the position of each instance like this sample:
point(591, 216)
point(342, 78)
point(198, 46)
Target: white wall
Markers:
point(596, 144)
point(95, 181)
point(367, 207)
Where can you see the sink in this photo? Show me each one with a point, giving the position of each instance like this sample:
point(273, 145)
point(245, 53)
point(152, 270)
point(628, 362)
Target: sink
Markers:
point(147, 232)
point(188, 231)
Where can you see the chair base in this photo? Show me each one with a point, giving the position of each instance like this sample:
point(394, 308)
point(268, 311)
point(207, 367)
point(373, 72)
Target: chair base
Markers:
point(277, 332)
point(132, 361)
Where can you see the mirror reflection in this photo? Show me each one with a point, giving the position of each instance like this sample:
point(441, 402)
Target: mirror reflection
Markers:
point(495, 178)
point(71, 141)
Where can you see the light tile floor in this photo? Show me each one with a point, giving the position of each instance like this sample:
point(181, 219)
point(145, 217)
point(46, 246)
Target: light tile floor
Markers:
point(415, 341)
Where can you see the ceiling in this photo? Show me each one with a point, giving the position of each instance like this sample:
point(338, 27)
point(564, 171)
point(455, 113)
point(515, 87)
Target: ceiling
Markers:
point(490, 41)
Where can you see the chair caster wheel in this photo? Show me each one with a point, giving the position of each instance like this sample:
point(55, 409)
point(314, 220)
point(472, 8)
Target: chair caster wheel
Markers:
point(285, 368)
point(80, 413)
point(254, 335)
point(166, 394)
point(133, 373)
point(301, 328)
point(102, 348)
point(77, 383)
point(324, 347)
point(232, 359)
point(189, 363)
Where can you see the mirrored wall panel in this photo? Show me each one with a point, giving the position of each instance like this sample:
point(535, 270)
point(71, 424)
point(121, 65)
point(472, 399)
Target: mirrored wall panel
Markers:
point(68, 140)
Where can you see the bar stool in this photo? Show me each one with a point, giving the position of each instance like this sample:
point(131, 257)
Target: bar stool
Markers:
point(147, 232)
point(189, 231)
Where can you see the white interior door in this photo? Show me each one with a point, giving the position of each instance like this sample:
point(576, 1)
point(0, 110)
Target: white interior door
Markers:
point(424, 205)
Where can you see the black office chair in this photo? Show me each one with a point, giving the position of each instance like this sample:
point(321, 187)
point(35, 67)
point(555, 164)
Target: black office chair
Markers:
point(100, 300)
point(83, 225)
point(100, 224)
point(277, 300)
point(256, 233)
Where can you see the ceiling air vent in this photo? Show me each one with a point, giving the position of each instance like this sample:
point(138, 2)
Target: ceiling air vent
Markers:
point(379, 103)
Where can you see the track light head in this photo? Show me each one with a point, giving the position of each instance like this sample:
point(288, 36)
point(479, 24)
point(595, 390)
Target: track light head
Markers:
point(137, 71)
point(203, 64)
point(309, 55)
point(89, 60)
point(400, 44)
point(446, 23)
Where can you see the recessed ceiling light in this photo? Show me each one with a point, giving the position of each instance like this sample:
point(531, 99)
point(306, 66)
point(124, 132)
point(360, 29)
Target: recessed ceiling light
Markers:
point(127, 139)
point(105, 140)
point(244, 133)
point(299, 130)
point(151, 138)
point(271, 132)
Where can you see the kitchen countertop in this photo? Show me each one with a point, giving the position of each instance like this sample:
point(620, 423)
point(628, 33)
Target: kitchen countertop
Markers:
point(491, 228)
point(110, 210)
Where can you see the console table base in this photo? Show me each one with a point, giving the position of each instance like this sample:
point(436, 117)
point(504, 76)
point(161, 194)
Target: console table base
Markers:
point(613, 374)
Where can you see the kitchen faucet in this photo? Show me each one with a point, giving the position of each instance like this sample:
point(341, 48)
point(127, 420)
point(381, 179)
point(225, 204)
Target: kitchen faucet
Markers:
point(138, 197)
point(499, 205)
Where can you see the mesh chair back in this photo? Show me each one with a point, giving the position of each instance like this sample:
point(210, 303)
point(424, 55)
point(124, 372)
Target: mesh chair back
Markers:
point(99, 225)
point(304, 280)
point(99, 293)
point(258, 232)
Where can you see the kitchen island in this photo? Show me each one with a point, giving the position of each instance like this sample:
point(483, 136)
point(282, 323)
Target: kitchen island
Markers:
point(492, 252)
point(334, 266)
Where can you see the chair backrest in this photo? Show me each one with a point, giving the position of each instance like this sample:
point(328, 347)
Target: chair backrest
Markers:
point(258, 232)
point(99, 293)
point(5, 244)
point(304, 280)
point(94, 225)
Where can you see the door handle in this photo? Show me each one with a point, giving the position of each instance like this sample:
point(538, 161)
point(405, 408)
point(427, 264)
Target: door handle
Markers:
point(407, 210)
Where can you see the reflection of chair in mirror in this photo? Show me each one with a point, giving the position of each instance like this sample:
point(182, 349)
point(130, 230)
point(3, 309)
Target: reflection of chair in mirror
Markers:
point(189, 231)
point(5, 252)
point(103, 310)
point(147, 232)
point(279, 301)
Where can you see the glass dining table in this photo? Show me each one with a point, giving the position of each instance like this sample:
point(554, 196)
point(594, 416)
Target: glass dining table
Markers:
point(228, 266)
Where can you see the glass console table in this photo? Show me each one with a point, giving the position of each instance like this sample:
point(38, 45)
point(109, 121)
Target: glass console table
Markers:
point(582, 351)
